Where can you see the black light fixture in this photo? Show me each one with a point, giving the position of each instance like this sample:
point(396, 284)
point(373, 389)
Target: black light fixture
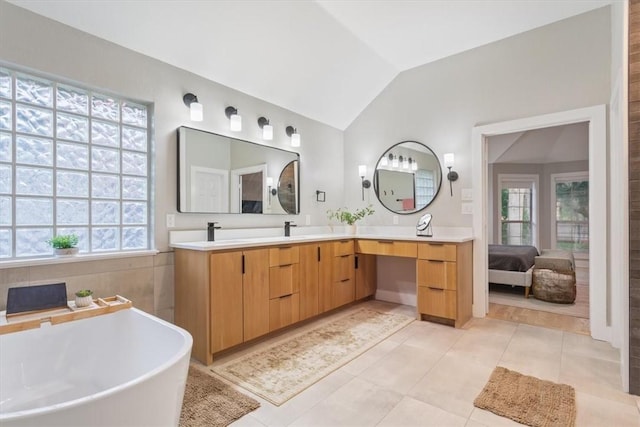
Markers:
point(452, 175)
point(362, 170)
point(235, 120)
point(191, 101)
point(267, 129)
point(295, 136)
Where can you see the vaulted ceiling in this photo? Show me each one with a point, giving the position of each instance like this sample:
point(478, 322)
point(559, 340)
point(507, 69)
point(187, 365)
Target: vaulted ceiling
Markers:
point(324, 59)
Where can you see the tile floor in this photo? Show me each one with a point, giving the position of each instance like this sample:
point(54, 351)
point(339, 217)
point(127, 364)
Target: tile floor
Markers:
point(429, 374)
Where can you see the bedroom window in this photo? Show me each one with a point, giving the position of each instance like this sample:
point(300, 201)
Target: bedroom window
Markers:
point(570, 219)
point(71, 161)
point(518, 209)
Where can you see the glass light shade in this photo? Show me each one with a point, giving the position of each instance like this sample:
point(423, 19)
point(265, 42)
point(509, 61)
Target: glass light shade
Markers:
point(295, 139)
point(448, 160)
point(414, 166)
point(384, 161)
point(362, 170)
point(267, 132)
point(269, 181)
point(395, 162)
point(405, 164)
point(197, 111)
point(235, 122)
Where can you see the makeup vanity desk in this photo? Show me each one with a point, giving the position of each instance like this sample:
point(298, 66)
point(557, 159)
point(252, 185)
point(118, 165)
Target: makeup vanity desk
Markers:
point(230, 292)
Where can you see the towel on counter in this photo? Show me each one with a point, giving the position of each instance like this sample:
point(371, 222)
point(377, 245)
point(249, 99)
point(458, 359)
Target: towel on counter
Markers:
point(407, 204)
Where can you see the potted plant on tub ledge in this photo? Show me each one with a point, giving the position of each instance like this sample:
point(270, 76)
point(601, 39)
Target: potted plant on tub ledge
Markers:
point(350, 218)
point(64, 244)
point(84, 298)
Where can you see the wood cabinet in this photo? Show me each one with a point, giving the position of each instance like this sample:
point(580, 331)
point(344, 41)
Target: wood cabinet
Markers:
point(343, 289)
point(387, 247)
point(256, 289)
point(444, 281)
point(315, 279)
point(366, 275)
point(284, 286)
point(226, 300)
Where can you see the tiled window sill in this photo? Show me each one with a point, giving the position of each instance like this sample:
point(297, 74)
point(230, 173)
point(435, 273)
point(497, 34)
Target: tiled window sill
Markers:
point(28, 262)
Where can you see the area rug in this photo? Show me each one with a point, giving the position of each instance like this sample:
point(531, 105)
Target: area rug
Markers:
point(284, 369)
point(210, 402)
point(528, 400)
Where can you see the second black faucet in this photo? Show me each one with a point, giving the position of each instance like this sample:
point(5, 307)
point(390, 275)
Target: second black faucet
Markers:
point(287, 228)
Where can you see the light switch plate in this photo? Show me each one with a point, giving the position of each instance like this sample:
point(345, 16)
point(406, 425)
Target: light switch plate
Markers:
point(171, 220)
point(467, 209)
point(395, 220)
point(307, 219)
point(467, 194)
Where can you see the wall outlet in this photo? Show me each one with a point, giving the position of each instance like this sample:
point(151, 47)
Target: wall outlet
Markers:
point(171, 220)
point(307, 219)
point(467, 209)
point(395, 220)
point(467, 194)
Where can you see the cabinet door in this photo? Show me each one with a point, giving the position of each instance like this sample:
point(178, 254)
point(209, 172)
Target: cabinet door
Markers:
point(437, 274)
point(309, 270)
point(226, 300)
point(366, 275)
point(437, 302)
point(284, 311)
point(343, 268)
point(284, 280)
point(343, 292)
point(256, 293)
point(325, 276)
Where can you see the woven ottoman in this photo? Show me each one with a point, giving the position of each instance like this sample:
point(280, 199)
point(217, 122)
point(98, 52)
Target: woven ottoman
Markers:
point(554, 278)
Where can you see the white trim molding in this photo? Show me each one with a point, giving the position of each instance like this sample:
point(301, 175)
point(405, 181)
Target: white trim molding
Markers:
point(596, 116)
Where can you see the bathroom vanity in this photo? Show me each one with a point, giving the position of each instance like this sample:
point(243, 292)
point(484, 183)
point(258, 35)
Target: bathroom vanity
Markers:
point(231, 292)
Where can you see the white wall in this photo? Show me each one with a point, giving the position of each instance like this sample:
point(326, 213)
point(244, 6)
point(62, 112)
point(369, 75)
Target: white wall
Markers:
point(31, 41)
point(562, 66)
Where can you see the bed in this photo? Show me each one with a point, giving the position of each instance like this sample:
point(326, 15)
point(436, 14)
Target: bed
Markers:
point(512, 265)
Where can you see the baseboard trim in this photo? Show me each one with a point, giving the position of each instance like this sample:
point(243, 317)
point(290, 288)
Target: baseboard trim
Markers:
point(397, 297)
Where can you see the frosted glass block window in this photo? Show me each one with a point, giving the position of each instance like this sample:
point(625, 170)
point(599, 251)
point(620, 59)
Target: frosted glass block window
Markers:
point(72, 160)
point(34, 151)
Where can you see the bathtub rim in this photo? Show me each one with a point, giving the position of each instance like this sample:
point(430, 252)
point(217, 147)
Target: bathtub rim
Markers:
point(184, 350)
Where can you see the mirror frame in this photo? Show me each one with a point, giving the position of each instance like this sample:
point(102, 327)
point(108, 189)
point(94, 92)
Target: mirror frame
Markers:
point(178, 171)
point(375, 177)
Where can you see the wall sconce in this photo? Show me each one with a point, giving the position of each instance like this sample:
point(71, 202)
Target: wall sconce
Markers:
point(272, 191)
point(413, 164)
point(405, 163)
point(452, 175)
point(384, 161)
point(295, 136)
point(267, 129)
point(394, 160)
point(197, 111)
point(235, 120)
point(362, 170)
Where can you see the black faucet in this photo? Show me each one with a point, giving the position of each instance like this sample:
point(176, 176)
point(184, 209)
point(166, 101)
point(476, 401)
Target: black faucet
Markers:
point(287, 228)
point(211, 231)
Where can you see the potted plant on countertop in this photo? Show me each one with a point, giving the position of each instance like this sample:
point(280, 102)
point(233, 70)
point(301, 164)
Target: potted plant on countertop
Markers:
point(350, 218)
point(64, 244)
point(84, 298)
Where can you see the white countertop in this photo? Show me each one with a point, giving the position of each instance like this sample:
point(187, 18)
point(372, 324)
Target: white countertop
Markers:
point(370, 233)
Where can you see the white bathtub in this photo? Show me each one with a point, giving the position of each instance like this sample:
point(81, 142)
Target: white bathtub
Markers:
point(121, 369)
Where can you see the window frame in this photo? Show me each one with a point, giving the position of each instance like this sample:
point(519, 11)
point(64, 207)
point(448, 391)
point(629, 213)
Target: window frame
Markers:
point(554, 179)
point(534, 181)
point(55, 83)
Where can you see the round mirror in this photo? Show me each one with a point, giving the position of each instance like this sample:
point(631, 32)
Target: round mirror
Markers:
point(407, 177)
point(287, 184)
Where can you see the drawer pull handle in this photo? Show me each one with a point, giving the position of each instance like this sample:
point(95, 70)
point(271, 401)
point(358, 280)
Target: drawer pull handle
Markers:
point(285, 296)
point(344, 256)
point(344, 241)
point(439, 261)
point(435, 244)
point(387, 242)
point(435, 289)
point(286, 265)
point(284, 248)
point(344, 280)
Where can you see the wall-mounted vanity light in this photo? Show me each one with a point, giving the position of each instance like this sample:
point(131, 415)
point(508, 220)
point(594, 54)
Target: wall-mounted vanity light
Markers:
point(362, 171)
point(267, 129)
point(295, 136)
point(452, 175)
point(385, 161)
point(196, 109)
point(235, 120)
point(394, 160)
point(405, 163)
point(414, 164)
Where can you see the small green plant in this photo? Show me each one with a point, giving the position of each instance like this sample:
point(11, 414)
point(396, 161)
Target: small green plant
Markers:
point(343, 215)
point(64, 241)
point(84, 293)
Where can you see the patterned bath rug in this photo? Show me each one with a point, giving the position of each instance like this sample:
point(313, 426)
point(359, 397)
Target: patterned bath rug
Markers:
point(285, 368)
point(528, 400)
point(209, 402)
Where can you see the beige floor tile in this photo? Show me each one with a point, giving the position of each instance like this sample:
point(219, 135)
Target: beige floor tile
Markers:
point(472, 423)
point(496, 326)
point(582, 345)
point(452, 384)
point(490, 419)
point(401, 368)
point(357, 403)
point(438, 338)
point(534, 351)
point(370, 357)
point(411, 412)
point(247, 421)
point(483, 347)
point(596, 412)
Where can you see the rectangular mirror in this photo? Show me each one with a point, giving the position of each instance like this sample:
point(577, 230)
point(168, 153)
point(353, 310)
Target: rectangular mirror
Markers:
point(219, 174)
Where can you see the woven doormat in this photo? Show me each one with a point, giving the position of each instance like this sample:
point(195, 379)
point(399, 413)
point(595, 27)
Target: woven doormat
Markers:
point(210, 402)
point(528, 400)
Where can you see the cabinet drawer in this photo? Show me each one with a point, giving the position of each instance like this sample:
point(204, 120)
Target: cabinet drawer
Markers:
point(438, 251)
point(343, 292)
point(387, 247)
point(284, 311)
point(436, 274)
point(437, 302)
point(343, 247)
point(284, 255)
point(343, 268)
point(284, 280)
